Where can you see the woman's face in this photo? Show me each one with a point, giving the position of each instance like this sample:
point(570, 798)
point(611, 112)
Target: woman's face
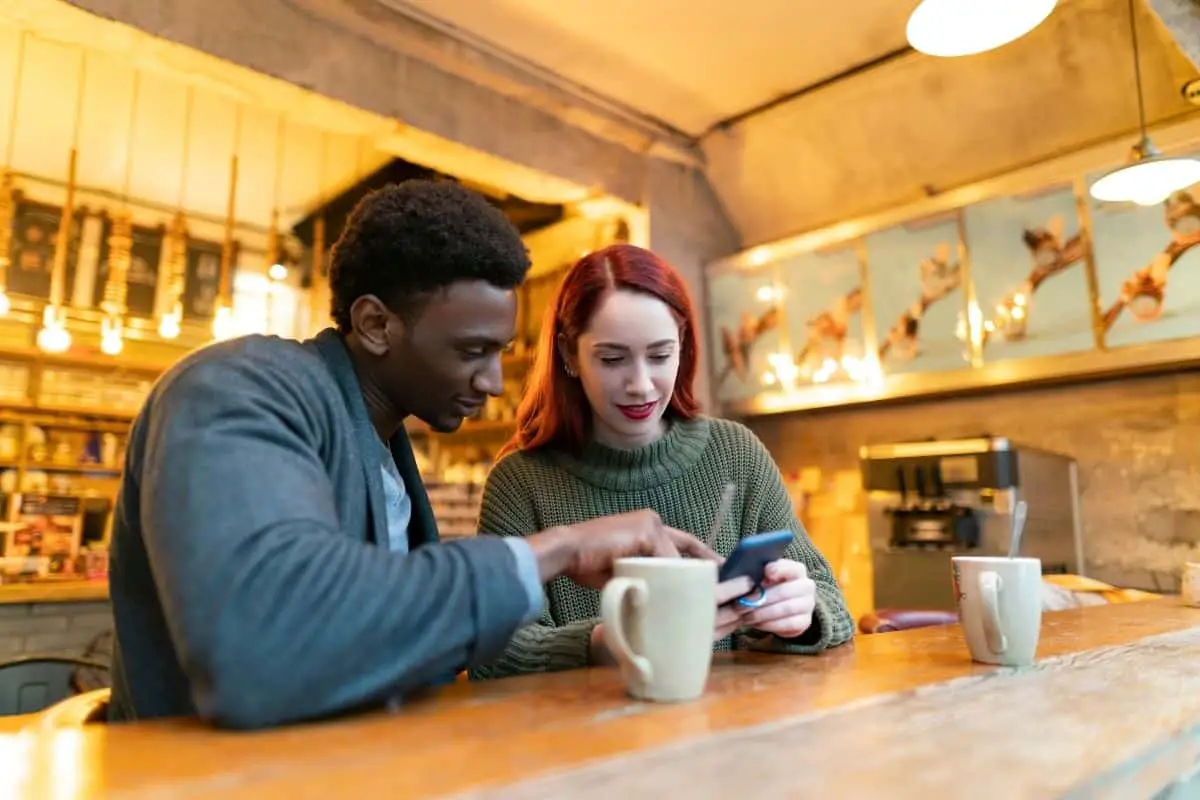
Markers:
point(627, 360)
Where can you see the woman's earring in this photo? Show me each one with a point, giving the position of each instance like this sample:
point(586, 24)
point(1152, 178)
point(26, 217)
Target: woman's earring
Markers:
point(570, 370)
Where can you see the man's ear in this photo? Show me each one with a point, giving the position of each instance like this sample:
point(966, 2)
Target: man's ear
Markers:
point(567, 355)
point(371, 321)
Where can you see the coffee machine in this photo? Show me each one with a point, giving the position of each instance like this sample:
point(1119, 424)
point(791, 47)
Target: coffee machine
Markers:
point(929, 501)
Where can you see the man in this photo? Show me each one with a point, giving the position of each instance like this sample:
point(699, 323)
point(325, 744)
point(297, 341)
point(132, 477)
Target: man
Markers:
point(274, 556)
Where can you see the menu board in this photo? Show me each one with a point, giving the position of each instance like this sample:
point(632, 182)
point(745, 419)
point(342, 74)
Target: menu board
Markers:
point(744, 329)
point(823, 314)
point(203, 278)
point(918, 296)
point(46, 525)
point(1029, 262)
point(35, 236)
point(1148, 265)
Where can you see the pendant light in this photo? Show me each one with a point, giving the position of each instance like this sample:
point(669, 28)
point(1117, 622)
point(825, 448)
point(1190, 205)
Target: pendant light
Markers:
point(170, 323)
point(1149, 178)
point(224, 322)
point(120, 247)
point(53, 336)
point(949, 28)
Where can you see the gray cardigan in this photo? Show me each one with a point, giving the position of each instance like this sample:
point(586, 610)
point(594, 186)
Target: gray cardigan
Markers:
point(245, 583)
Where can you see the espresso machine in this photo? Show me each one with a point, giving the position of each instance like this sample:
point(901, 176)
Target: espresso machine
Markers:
point(929, 501)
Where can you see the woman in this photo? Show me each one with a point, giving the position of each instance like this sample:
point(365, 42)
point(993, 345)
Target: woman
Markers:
point(609, 423)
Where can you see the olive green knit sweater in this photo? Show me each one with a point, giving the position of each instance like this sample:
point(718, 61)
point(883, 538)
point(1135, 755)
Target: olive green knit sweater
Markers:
point(680, 476)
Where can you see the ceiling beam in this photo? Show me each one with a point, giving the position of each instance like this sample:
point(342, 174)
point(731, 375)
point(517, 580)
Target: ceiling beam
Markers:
point(796, 94)
point(1181, 18)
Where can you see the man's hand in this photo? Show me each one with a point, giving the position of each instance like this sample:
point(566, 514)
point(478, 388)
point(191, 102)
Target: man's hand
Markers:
point(585, 552)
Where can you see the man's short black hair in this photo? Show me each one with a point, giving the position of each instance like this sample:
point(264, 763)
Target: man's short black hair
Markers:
point(407, 240)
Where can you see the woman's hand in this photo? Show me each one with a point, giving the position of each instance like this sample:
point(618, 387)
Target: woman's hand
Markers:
point(730, 616)
point(789, 597)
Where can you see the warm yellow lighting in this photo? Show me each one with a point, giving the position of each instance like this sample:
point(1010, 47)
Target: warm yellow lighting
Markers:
point(765, 294)
point(949, 28)
point(277, 272)
point(5, 304)
point(112, 338)
point(170, 324)
point(759, 256)
point(1148, 181)
point(54, 336)
point(224, 324)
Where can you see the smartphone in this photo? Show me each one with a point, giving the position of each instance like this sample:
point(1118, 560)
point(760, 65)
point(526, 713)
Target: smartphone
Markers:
point(751, 556)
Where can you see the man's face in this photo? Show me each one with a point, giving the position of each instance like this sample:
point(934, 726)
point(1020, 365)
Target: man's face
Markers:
point(446, 363)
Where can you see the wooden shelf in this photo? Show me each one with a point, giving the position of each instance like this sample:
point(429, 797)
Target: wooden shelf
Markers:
point(54, 590)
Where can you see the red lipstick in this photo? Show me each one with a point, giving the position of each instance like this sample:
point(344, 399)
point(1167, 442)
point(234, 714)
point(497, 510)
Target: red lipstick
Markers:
point(639, 413)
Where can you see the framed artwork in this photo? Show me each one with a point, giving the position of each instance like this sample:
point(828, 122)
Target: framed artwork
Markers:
point(822, 306)
point(744, 333)
point(1029, 262)
point(919, 297)
point(1148, 268)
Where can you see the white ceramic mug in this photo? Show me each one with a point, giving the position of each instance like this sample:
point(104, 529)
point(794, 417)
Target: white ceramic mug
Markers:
point(1189, 585)
point(659, 615)
point(1000, 607)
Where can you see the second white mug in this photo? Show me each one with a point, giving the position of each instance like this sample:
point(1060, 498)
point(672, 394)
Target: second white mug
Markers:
point(1000, 607)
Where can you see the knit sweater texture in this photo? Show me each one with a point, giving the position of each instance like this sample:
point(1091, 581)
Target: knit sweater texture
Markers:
point(680, 476)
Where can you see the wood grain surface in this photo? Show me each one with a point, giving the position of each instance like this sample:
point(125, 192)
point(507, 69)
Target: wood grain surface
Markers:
point(892, 706)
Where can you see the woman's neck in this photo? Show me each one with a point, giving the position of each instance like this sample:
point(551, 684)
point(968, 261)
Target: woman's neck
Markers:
point(604, 435)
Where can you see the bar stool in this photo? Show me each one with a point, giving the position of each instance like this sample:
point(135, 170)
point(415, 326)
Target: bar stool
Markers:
point(34, 682)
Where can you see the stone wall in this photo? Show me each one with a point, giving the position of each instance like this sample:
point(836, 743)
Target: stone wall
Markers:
point(51, 628)
point(1137, 442)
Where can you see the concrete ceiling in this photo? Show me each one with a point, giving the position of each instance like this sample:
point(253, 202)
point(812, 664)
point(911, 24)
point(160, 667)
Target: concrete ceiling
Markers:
point(859, 140)
point(688, 63)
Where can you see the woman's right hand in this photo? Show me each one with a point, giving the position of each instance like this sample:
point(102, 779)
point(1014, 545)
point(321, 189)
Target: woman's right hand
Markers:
point(729, 614)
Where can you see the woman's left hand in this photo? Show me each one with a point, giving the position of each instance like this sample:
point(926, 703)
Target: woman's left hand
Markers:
point(789, 597)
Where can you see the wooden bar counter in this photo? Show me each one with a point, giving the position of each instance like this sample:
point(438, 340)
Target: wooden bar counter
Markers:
point(1111, 709)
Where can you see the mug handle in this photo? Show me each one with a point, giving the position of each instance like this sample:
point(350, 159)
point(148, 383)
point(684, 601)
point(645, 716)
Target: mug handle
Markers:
point(612, 601)
point(990, 586)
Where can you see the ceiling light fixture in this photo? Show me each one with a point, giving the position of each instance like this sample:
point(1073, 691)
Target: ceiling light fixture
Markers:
point(950, 28)
point(1149, 178)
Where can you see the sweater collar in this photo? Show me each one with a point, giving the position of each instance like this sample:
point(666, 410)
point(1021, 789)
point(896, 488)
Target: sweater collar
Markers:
point(644, 467)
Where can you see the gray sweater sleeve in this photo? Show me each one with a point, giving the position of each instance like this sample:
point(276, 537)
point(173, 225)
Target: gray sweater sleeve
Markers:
point(277, 613)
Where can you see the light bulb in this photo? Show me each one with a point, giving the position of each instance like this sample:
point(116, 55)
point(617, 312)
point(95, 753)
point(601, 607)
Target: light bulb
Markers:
point(112, 344)
point(950, 28)
point(224, 323)
point(168, 326)
point(277, 272)
point(1148, 182)
point(112, 339)
point(53, 336)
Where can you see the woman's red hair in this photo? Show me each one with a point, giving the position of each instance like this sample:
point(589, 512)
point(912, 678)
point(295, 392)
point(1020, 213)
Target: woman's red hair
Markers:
point(554, 411)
